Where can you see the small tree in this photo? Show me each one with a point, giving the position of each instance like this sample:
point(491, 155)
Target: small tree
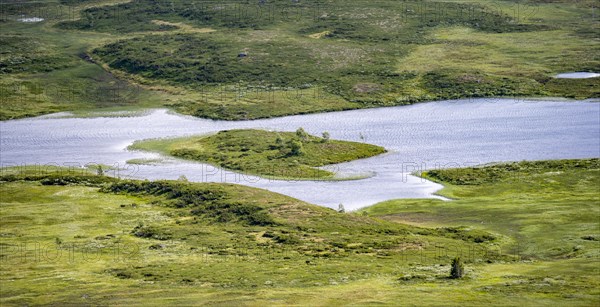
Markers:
point(302, 134)
point(296, 148)
point(326, 137)
point(341, 208)
point(182, 178)
point(457, 270)
point(99, 171)
point(279, 141)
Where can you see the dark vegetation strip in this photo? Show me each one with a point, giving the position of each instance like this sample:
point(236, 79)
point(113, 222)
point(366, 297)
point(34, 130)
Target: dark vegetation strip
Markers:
point(507, 171)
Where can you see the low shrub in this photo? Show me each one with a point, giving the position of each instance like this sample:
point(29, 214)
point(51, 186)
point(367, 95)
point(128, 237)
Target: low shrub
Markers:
point(206, 201)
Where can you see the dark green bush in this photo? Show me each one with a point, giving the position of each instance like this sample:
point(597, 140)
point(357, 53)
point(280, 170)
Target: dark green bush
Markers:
point(150, 232)
point(474, 235)
point(457, 270)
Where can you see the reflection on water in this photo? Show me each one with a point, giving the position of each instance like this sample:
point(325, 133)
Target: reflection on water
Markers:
point(422, 136)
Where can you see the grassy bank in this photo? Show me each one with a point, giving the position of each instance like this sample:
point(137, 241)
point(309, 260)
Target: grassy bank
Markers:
point(243, 61)
point(265, 153)
point(548, 209)
point(113, 241)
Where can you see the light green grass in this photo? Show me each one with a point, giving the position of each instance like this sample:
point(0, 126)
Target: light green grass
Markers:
point(309, 255)
point(549, 209)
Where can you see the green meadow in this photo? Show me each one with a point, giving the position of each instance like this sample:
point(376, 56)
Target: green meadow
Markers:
point(527, 233)
point(265, 153)
point(246, 61)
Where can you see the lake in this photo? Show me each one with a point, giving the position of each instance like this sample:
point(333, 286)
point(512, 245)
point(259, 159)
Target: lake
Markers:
point(421, 136)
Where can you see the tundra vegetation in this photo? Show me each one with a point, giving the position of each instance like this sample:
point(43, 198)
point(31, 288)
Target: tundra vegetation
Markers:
point(514, 234)
point(246, 60)
point(293, 155)
point(527, 236)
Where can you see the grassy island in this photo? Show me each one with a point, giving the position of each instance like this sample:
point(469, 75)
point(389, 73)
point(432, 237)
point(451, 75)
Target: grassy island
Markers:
point(265, 153)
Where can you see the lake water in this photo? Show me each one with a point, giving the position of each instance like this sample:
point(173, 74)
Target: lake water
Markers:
point(421, 136)
point(577, 75)
point(31, 19)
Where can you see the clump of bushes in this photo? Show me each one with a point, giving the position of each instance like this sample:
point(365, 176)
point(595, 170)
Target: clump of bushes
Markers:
point(56, 176)
point(282, 238)
point(150, 232)
point(467, 176)
point(504, 171)
point(61, 179)
point(296, 148)
point(474, 235)
point(183, 194)
point(206, 201)
point(226, 211)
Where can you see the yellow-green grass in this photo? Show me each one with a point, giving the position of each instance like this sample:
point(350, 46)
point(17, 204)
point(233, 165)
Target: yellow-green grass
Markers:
point(308, 256)
point(533, 58)
point(264, 153)
point(72, 236)
point(548, 209)
point(509, 54)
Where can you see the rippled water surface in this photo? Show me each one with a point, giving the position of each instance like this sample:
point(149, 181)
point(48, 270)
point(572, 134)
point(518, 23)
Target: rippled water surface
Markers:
point(428, 135)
